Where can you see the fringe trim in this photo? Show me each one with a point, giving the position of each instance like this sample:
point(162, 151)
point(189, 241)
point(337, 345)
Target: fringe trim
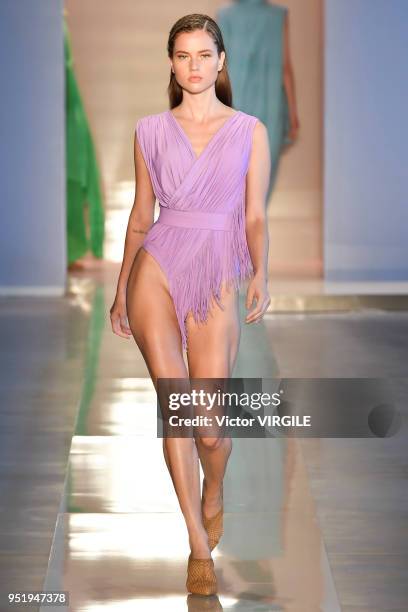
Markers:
point(223, 258)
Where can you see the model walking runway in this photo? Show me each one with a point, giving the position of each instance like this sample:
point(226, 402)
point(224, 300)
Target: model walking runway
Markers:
point(178, 288)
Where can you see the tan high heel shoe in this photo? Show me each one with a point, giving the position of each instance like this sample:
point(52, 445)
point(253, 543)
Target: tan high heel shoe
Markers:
point(214, 525)
point(201, 578)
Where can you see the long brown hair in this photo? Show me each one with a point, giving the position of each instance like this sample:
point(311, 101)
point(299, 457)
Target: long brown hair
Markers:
point(189, 23)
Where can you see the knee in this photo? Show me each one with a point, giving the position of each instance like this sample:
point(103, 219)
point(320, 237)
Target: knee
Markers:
point(209, 443)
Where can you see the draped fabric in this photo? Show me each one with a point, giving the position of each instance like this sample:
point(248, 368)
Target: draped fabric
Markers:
point(252, 31)
point(199, 238)
point(83, 175)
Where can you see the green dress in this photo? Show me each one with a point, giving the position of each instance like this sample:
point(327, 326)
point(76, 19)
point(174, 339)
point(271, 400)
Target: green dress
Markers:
point(253, 36)
point(82, 187)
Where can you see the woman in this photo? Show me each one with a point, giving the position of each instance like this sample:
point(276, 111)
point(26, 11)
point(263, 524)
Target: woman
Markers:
point(180, 277)
point(265, 87)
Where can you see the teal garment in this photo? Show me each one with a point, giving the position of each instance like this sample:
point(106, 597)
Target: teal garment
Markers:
point(253, 36)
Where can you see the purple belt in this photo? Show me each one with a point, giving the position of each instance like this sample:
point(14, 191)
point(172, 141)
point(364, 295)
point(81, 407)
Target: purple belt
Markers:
point(195, 218)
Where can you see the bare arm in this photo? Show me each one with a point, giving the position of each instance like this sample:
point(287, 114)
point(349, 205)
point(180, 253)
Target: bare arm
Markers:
point(289, 82)
point(256, 224)
point(140, 220)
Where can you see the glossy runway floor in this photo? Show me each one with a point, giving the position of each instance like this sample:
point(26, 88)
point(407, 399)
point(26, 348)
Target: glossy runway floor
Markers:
point(88, 506)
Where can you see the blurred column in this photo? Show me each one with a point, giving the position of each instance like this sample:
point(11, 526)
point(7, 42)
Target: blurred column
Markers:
point(366, 134)
point(32, 149)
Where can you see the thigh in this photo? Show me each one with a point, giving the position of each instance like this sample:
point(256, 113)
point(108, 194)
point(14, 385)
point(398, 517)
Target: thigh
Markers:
point(152, 318)
point(212, 346)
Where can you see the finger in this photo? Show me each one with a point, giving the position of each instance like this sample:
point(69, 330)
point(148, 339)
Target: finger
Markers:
point(124, 324)
point(113, 322)
point(118, 332)
point(123, 336)
point(256, 320)
point(255, 298)
point(250, 298)
point(253, 315)
point(260, 318)
point(257, 312)
point(117, 328)
point(259, 305)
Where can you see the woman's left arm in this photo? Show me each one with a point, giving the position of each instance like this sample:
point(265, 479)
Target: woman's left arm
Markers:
point(256, 224)
point(289, 83)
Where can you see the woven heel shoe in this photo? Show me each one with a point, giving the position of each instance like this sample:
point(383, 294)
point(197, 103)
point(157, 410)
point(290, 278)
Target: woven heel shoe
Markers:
point(214, 525)
point(201, 578)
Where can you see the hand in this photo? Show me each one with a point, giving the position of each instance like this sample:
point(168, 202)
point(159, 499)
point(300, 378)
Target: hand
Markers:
point(258, 290)
point(118, 317)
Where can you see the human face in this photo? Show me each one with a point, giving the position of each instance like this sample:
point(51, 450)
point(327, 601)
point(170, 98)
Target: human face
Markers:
point(195, 61)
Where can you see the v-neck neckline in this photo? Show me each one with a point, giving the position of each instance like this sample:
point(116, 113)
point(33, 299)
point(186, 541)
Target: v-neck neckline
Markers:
point(213, 137)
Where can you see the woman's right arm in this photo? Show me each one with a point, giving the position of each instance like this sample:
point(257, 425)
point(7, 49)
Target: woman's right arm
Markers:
point(140, 220)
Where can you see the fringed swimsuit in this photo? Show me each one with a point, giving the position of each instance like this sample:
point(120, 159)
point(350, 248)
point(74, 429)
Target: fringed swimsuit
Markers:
point(199, 238)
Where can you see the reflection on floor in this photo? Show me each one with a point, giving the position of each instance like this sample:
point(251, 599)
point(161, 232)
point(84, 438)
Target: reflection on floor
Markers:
point(88, 505)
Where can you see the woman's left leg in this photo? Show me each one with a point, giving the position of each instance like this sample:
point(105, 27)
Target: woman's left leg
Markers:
point(211, 353)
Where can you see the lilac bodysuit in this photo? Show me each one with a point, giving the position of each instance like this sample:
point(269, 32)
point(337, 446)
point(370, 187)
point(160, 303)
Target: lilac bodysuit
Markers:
point(199, 238)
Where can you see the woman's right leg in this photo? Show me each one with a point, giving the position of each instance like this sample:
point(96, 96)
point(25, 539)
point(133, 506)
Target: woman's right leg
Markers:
point(152, 319)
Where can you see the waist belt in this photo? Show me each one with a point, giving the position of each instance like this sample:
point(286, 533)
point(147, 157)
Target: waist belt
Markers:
point(194, 218)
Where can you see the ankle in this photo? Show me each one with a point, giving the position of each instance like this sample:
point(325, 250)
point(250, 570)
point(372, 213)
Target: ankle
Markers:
point(212, 493)
point(200, 548)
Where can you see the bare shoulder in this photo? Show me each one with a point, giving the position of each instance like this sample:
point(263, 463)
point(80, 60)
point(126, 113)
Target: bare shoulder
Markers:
point(255, 123)
point(259, 139)
point(260, 130)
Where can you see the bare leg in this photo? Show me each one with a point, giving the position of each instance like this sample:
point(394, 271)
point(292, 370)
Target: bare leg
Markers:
point(154, 326)
point(212, 351)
